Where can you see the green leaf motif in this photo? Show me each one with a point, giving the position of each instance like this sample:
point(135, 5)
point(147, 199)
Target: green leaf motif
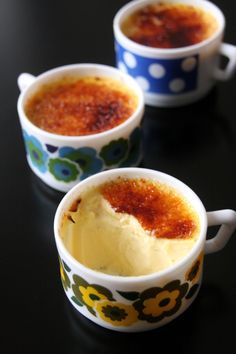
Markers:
point(129, 295)
point(192, 291)
point(66, 267)
point(76, 301)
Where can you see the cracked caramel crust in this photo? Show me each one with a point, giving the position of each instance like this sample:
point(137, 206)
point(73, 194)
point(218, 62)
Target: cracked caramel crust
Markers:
point(158, 208)
point(83, 106)
point(164, 25)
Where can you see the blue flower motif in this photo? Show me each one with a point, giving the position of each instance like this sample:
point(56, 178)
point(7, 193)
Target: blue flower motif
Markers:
point(26, 138)
point(51, 148)
point(63, 170)
point(25, 135)
point(114, 152)
point(36, 153)
point(85, 157)
point(135, 149)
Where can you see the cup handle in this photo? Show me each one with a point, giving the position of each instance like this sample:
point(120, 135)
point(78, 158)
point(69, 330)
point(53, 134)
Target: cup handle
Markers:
point(24, 80)
point(227, 220)
point(228, 51)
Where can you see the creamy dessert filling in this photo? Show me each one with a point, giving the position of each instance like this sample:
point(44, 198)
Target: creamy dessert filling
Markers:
point(130, 227)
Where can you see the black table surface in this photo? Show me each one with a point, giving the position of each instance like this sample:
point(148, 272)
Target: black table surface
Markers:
point(195, 143)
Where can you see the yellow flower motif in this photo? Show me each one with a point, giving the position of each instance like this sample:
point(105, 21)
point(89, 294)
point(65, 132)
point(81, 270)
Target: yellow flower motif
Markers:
point(194, 272)
point(90, 295)
point(156, 303)
point(164, 301)
point(64, 277)
point(62, 273)
point(116, 313)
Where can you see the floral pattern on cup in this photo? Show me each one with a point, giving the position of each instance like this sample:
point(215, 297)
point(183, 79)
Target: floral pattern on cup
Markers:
point(116, 313)
point(193, 276)
point(114, 152)
point(85, 157)
point(156, 303)
point(135, 151)
point(89, 294)
point(64, 277)
point(37, 154)
point(151, 305)
point(63, 170)
point(67, 164)
point(194, 272)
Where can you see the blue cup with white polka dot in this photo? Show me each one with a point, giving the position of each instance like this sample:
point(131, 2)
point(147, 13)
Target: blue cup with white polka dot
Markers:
point(175, 76)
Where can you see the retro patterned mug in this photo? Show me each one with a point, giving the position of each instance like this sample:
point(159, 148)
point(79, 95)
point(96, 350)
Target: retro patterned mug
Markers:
point(143, 302)
point(61, 161)
point(174, 76)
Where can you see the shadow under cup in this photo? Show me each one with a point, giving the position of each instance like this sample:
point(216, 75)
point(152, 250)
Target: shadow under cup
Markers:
point(62, 161)
point(174, 76)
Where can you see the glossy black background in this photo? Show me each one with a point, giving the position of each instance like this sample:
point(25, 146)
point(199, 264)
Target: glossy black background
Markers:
point(195, 144)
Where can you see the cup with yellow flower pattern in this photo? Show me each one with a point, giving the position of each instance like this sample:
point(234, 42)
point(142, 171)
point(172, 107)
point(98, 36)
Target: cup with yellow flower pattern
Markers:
point(143, 302)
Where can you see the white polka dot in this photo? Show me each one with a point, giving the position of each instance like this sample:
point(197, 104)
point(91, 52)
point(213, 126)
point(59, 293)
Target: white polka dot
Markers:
point(177, 85)
point(143, 83)
point(189, 64)
point(157, 71)
point(130, 60)
point(122, 67)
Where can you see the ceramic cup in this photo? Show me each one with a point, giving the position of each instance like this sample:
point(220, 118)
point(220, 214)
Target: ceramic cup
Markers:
point(139, 303)
point(179, 76)
point(62, 161)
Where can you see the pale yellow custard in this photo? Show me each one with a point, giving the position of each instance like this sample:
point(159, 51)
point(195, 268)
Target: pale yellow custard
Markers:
point(115, 242)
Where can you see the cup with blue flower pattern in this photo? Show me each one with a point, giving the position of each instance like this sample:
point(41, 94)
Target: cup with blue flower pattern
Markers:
point(61, 161)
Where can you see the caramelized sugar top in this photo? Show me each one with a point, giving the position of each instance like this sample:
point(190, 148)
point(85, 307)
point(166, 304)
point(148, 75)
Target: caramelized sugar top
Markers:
point(88, 105)
point(158, 208)
point(166, 25)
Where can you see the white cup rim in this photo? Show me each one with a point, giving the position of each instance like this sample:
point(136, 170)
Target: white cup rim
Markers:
point(137, 172)
point(155, 52)
point(82, 138)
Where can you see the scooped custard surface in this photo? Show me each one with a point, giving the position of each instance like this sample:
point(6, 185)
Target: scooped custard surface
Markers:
point(129, 227)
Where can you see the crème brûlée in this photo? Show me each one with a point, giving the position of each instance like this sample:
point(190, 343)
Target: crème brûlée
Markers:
point(77, 106)
point(130, 227)
point(169, 25)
